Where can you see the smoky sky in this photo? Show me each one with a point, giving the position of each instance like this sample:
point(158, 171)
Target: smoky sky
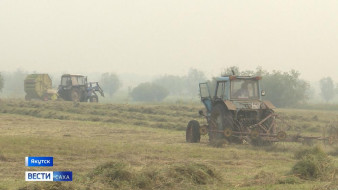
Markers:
point(156, 37)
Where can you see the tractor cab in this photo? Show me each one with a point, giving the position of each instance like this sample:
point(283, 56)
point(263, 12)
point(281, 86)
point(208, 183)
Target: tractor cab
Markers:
point(68, 80)
point(235, 91)
point(242, 89)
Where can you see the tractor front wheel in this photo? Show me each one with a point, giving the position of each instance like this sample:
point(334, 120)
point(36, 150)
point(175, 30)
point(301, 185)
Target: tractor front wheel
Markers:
point(94, 99)
point(193, 132)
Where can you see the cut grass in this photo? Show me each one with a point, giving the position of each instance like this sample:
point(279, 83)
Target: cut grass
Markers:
point(119, 175)
point(151, 157)
point(314, 163)
point(168, 117)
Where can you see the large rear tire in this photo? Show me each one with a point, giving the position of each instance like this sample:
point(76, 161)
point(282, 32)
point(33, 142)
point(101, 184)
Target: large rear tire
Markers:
point(221, 120)
point(193, 132)
point(75, 95)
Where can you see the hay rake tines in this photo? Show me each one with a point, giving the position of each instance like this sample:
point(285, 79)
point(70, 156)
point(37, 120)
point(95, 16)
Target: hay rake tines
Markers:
point(276, 132)
point(331, 138)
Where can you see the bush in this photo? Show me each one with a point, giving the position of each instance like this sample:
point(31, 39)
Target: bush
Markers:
point(149, 92)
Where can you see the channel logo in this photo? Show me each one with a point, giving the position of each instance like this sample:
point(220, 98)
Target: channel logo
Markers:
point(63, 176)
point(39, 176)
point(49, 176)
point(39, 161)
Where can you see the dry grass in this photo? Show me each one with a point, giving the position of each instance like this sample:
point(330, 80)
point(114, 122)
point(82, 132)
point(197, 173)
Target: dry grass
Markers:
point(119, 175)
point(314, 163)
point(156, 116)
point(147, 156)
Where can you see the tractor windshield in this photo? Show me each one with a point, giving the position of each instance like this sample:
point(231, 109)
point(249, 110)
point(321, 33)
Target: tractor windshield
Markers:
point(65, 81)
point(73, 80)
point(244, 89)
point(78, 80)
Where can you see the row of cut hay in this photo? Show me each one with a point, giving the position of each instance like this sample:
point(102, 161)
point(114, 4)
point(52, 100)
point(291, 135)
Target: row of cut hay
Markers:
point(119, 175)
point(96, 113)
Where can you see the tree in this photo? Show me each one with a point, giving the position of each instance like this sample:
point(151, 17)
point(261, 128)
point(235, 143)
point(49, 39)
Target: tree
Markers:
point(149, 92)
point(193, 78)
point(15, 83)
point(1, 82)
point(110, 83)
point(233, 70)
point(285, 88)
point(327, 88)
point(175, 84)
point(182, 85)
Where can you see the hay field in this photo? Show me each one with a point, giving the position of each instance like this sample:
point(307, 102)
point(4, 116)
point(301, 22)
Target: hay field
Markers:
point(114, 146)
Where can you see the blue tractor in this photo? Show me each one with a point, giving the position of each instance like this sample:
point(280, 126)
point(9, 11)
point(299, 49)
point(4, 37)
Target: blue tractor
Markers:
point(235, 112)
point(76, 88)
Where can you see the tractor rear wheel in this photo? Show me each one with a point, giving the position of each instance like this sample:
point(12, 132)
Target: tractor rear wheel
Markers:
point(221, 121)
point(75, 95)
point(193, 132)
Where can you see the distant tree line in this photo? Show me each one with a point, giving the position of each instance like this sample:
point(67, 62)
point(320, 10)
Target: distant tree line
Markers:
point(182, 85)
point(286, 88)
point(282, 88)
point(161, 87)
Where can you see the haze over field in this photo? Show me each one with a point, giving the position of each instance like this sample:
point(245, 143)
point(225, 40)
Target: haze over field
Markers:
point(156, 37)
point(148, 109)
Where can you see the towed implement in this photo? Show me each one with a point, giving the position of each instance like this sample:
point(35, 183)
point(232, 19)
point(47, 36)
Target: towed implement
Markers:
point(39, 86)
point(237, 113)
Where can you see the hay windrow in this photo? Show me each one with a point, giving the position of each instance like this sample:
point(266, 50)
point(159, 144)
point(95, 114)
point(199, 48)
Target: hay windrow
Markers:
point(314, 163)
point(166, 116)
point(119, 175)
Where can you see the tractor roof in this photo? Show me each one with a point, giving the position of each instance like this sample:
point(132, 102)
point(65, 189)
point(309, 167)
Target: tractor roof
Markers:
point(232, 77)
point(77, 75)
